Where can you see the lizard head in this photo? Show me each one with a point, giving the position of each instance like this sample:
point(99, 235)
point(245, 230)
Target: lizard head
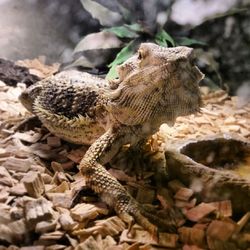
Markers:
point(157, 84)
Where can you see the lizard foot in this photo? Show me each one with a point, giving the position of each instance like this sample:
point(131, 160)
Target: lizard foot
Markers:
point(131, 212)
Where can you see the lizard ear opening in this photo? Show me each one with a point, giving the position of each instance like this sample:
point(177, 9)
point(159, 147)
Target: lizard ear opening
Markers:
point(143, 52)
point(143, 55)
point(140, 54)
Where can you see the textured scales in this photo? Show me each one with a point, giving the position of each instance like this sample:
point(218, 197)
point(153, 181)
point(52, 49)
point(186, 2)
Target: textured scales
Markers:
point(155, 86)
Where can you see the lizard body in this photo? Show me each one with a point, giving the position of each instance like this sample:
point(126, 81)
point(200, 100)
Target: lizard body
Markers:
point(155, 86)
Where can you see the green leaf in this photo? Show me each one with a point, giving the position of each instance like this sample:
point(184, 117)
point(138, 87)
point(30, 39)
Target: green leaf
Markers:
point(121, 57)
point(105, 16)
point(127, 30)
point(162, 38)
point(185, 41)
point(161, 43)
point(135, 27)
point(122, 31)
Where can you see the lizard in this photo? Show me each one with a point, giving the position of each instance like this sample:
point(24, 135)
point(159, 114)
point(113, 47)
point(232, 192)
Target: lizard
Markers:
point(154, 86)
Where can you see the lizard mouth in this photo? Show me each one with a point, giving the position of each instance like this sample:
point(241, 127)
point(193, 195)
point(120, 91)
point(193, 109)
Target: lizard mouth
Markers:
point(26, 101)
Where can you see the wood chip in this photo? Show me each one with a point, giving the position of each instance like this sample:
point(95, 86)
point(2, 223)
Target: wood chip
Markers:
point(60, 167)
point(4, 153)
point(34, 184)
point(45, 226)
point(64, 200)
point(56, 247)
point(78, 181)
point(62, 188)
point(140, 236)
point(4, 194)
point(168, 240)
point(38, 210)
point(199, 212)
point(37, 168)
point(121, 176)
point(77, 154)
point(89, 244)
point(184, 194)
point(165, 198)
point(233, 128)
point(230, 120)
point(18, 230)
point(28, 136)
point(242, 222)
point(111, 226)
point(54, 141)
point(44, 151)
point(60, 177)
point(185, 204)
point(221, 230)
point(143, 237)
point(53, 236)
point(33, 248)
point(86, 211)
point(19, 165)
point(47, 179)
point(67, 222)
point(18, 189)
point(220, 245)
point(192, 236)
point(56, 166)
point(224, 208)
point(5, 215)
point(18, 175)
point(5, 233)
point(5, 177)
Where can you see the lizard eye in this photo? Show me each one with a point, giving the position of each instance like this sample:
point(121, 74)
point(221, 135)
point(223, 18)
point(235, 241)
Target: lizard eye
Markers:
point(141, 54)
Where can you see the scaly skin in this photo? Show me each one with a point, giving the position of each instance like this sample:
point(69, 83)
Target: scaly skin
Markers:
point(155, 86)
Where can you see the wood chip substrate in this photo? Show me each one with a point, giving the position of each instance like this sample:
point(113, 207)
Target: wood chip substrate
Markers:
point(45, 204)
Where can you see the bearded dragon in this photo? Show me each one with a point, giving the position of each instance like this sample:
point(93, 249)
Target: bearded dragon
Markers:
point(154, 86)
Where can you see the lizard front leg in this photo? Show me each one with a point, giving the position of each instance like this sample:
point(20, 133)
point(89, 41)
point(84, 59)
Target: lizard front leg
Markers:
point(99, 179)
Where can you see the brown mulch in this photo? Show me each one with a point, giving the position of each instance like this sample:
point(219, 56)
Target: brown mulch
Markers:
point(44, 202)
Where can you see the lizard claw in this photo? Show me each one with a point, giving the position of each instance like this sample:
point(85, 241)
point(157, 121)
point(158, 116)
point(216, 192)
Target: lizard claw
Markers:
point(132, 212)
point(142, 221)
point(145, 223)
point(130, 221)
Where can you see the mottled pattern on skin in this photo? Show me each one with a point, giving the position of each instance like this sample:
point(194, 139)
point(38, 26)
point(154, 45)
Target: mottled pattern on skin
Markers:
point(70, 101)
point(155, 86)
